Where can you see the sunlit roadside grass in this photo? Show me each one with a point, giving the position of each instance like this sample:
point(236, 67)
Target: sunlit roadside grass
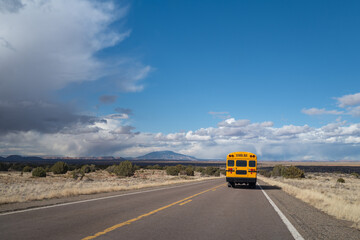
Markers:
point(16, 187)
point(325, 192)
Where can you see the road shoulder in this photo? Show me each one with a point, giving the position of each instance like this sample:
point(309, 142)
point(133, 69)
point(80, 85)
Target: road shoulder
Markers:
point(309, 221)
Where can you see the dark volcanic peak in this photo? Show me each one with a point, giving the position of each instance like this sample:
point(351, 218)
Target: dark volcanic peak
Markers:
point(166, 155)
point(14, 157)
point(18, 158)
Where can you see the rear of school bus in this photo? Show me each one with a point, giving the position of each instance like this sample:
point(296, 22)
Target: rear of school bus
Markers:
point(241, 168)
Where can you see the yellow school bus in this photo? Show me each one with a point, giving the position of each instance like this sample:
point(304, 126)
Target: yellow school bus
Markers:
point(241, 168)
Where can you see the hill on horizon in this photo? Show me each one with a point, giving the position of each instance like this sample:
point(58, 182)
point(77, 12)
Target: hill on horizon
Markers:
point(166, 155)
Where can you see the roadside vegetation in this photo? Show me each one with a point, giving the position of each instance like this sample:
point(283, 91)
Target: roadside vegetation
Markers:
point(337, 194)
point(21, 183)
point(284, 171)
point(39, 172)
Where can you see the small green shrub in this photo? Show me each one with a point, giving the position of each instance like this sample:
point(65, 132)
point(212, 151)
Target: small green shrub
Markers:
point(199, 169)
point(125, 169)
point(341, 180)
point(59, 168)
point(180, 167)
point(294, 172)
point(78, 173)
point(75, 174)
point(189, 171)
point(172, 170)
point(211, 171)
point(355, 174)
point(278, 171)
point(39, 172)
point(27, 169)
point(111, 169)
point(86, 168)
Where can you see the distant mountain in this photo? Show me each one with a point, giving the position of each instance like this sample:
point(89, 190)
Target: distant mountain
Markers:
point(17, 158)
point(166, 155)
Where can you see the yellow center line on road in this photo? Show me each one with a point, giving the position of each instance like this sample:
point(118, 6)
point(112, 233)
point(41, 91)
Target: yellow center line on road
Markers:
point(147, 214)
point(183, 203)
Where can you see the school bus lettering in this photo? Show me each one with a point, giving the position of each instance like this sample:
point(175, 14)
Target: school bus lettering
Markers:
point(241, 168)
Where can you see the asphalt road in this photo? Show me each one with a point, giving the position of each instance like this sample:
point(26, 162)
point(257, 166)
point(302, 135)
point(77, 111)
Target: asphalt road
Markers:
point(206, 210)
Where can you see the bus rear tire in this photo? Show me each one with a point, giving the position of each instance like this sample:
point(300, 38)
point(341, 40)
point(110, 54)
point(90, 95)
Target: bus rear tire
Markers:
point(229, 184)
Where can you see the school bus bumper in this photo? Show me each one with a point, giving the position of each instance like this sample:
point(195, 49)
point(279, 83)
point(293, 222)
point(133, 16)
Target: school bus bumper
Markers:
point(240, 180)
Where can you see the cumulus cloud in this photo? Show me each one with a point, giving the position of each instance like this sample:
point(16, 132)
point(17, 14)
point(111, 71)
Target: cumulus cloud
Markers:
point(349, 100)
point(231, 122)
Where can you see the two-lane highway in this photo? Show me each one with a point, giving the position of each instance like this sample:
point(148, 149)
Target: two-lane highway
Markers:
point(205, 210)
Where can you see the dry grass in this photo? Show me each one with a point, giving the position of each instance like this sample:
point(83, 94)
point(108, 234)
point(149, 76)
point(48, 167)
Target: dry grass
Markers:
point(15, 187)
point(321, 190)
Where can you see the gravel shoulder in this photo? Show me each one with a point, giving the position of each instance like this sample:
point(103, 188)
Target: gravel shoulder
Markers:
point(309, 221)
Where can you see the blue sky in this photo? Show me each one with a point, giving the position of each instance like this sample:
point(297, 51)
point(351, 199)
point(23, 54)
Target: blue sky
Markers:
point(263, 61)
point(279, 78)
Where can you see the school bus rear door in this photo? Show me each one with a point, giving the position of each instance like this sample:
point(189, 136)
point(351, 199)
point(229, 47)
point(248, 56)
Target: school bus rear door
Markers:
point(241, 168)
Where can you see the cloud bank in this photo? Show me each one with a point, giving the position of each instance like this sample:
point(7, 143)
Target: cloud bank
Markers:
point(47, 45)
point(113, 136)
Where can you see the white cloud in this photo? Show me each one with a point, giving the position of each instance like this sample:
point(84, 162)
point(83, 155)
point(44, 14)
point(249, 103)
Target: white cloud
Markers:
point(47, 45)
point(348, 103)
point(322, 111)
point(53, 44)
point(231, 122)
point(355, 111)
point(113, 136)
point(349, 100)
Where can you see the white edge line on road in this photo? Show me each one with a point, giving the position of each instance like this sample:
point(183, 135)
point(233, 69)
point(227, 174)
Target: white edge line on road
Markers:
point(95, 199)
point(286, 221)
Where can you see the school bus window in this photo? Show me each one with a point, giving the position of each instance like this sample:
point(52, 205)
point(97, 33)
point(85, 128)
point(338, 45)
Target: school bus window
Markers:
point(241, 172)
point(241, 163)
point(252, 164)
point(230, 163)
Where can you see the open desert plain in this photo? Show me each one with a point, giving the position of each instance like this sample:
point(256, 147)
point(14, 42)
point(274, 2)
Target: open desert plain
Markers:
point(177, 120)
